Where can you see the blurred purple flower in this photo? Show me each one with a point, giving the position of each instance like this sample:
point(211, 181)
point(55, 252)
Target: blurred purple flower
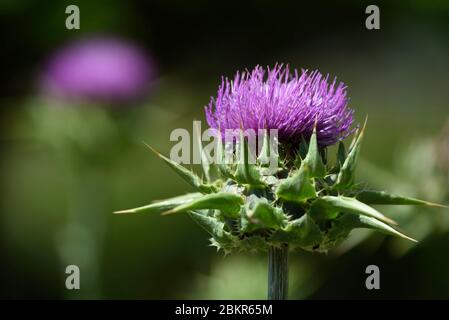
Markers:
point(99, 69)
point(288, 102)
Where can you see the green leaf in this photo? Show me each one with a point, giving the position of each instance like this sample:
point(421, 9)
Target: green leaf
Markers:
point(164, 205)
point(371, 223)
point(259, 214)
point(313, 159)
point(210, 170)
point(328, 207)
point(345, 177)
point(187, 175)
point(228, 203)
point(297, 188)
point(247, 173)
point(381, 197)
point(215, 228)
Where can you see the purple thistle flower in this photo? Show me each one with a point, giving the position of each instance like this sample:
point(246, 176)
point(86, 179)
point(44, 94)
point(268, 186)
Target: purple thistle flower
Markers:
point(100, 69)
point(288, 102)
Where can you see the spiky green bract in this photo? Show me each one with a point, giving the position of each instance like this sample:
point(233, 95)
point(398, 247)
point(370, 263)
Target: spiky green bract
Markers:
point(307, 203)
point(210, 169)
point(247, 173)
point(329, 207)
point(381, 197)
point(228, 203)
point(345, 177)
point(187, 175)
point(164, 205)
point(261, 215)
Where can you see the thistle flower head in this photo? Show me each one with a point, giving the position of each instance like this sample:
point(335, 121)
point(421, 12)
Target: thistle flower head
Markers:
point(311, 203)
point(288, 102)
point(100, 69)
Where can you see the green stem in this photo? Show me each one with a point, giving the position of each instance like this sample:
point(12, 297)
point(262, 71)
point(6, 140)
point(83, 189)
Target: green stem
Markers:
point(278, 273)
